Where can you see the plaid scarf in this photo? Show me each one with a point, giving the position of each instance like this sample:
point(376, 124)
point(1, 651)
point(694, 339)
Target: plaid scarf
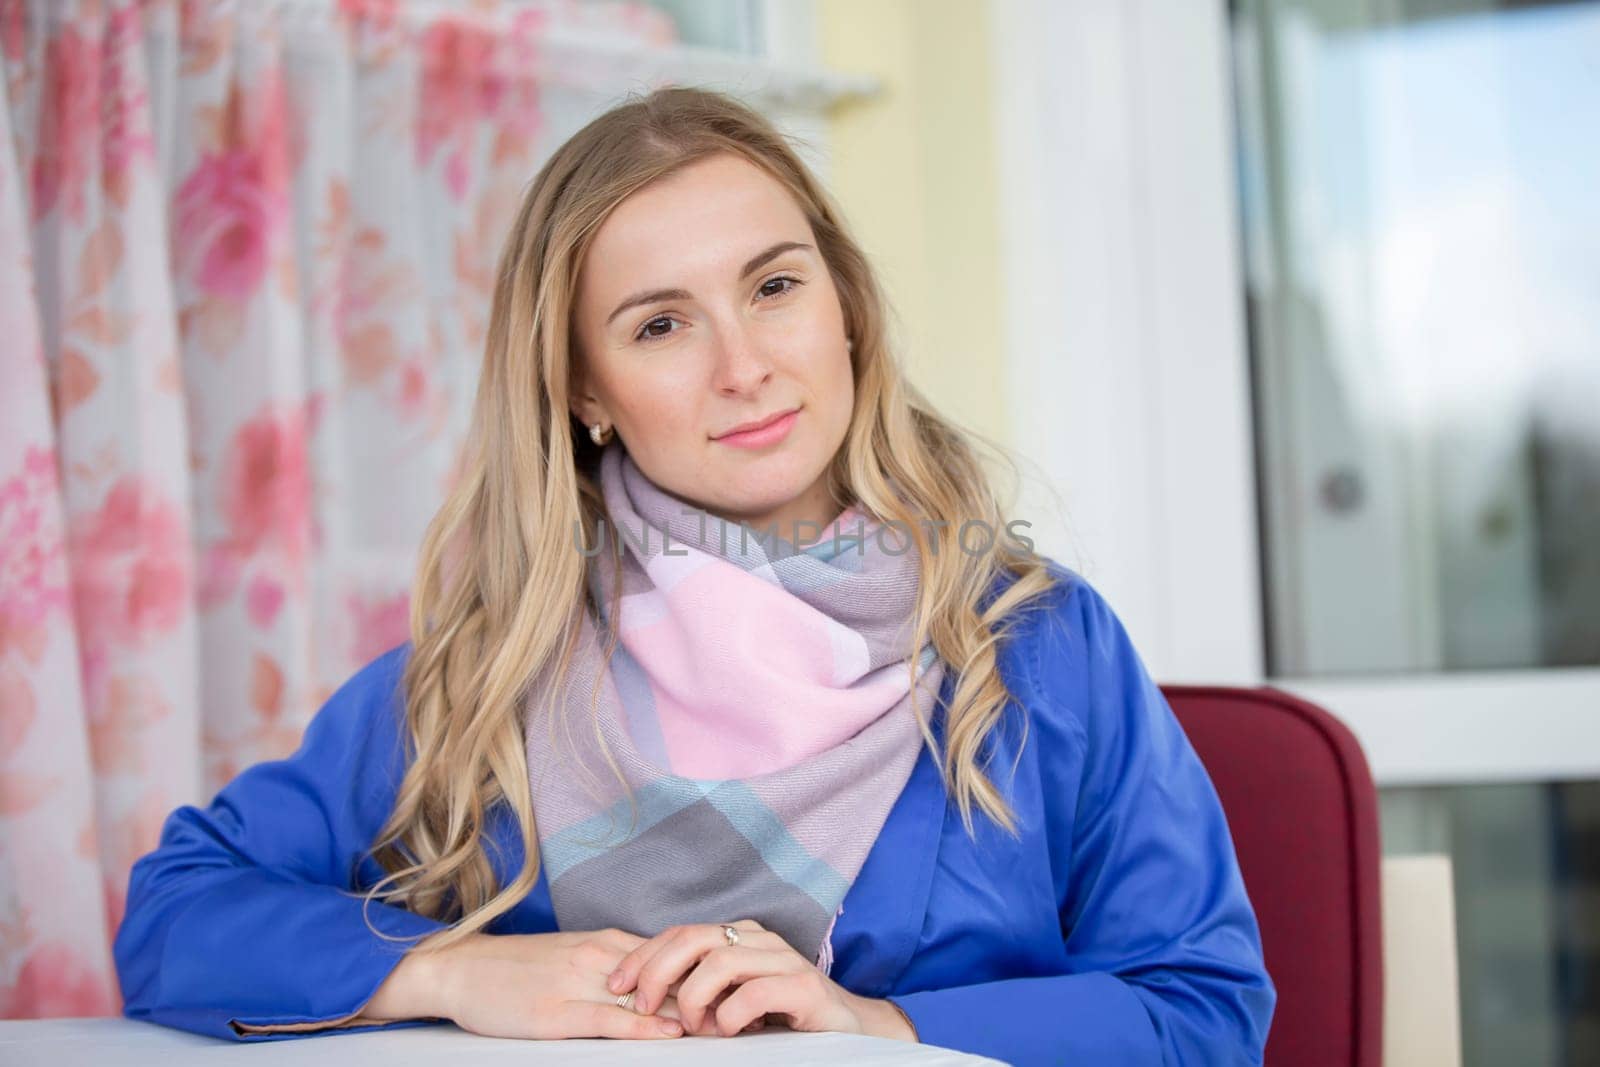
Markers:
point(758, 705)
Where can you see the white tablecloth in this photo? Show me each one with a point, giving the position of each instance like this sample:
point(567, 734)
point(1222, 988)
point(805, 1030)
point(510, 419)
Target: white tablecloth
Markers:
point(122, 1042)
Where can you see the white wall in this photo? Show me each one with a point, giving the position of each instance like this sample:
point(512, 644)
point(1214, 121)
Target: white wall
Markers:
point(1126, 345)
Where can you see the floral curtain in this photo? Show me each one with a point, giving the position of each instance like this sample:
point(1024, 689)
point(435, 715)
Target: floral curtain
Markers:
point(246, 252)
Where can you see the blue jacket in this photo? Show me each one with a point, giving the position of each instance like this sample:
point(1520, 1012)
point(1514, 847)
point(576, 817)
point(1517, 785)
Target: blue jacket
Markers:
point(1114, 930)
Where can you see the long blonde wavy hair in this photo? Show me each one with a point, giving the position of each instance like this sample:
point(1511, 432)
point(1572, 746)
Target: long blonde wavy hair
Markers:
point(499, 582)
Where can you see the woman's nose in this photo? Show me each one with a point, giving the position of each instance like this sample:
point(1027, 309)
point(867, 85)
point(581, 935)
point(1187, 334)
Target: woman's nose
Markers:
point(742, 362)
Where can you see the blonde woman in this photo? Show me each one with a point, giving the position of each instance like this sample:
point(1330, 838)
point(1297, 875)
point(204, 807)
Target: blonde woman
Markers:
point(732, 700)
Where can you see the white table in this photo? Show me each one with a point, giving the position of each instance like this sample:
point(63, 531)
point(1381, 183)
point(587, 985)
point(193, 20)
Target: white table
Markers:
point(123, 1042)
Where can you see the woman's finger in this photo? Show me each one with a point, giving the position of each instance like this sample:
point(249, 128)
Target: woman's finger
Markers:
point(624, 976)
point(588, 1019)
point(722, 968)
point(669, 1009)
point(677, 956)
point(642, 949)
point(668, 957)
point(796, 997)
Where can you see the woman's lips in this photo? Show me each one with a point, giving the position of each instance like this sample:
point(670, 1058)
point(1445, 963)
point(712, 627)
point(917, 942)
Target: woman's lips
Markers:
point(770, 434)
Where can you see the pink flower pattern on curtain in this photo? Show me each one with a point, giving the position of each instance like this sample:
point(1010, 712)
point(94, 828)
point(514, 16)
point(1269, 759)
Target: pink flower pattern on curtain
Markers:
point(246, 252)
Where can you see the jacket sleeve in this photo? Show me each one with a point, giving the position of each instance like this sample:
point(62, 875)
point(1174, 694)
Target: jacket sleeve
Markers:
point(1164, 952)
point(244, 914)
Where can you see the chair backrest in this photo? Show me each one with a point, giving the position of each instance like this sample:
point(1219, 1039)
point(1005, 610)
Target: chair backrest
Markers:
point(1421, 986)
point(1303, 813)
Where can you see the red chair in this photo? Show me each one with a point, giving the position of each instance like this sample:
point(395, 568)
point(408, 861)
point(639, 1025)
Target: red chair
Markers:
point(1304, 816)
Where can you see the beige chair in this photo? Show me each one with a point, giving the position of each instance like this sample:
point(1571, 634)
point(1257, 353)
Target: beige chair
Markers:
point(1421, 996)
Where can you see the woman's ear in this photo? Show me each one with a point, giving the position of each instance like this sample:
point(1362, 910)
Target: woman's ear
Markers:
point(584, 405)
point(587, 410)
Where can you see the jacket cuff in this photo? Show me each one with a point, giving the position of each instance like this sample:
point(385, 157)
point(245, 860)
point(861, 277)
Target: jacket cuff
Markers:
point(365, 961)
point(1089, 1018)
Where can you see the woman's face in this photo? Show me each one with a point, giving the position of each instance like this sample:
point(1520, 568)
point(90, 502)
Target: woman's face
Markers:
point(702, 306)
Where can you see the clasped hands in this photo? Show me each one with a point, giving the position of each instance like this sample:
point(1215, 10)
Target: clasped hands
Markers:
point(693, 974)
point(685, 980)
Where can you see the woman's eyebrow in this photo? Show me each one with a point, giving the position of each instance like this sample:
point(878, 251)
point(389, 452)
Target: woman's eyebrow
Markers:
point(756, 263)
point(770, 254)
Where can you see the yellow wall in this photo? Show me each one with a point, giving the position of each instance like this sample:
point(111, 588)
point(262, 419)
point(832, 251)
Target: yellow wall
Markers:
point(913, 169)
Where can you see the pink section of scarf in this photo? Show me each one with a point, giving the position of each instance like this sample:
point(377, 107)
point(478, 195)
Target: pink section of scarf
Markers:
point(745, 677)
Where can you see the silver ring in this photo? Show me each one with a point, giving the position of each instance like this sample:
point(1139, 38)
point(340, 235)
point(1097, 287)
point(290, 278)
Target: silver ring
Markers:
point(730, 935)
point(626, 999)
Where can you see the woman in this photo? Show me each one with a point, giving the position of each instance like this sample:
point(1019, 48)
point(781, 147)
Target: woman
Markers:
point(732, 699)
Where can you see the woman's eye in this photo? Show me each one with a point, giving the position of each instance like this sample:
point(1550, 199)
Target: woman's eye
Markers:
point(647, 332)
point(767, 293)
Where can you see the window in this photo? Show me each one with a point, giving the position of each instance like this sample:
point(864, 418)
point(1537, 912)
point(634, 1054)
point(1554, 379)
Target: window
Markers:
point(1422, 248)
point(1422, 260)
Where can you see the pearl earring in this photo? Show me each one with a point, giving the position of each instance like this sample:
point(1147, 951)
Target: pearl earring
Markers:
point(850, 344)
point(599, 433)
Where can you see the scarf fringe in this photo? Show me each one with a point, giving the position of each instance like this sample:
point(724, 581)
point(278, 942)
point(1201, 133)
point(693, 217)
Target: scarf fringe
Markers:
point(825, 957)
